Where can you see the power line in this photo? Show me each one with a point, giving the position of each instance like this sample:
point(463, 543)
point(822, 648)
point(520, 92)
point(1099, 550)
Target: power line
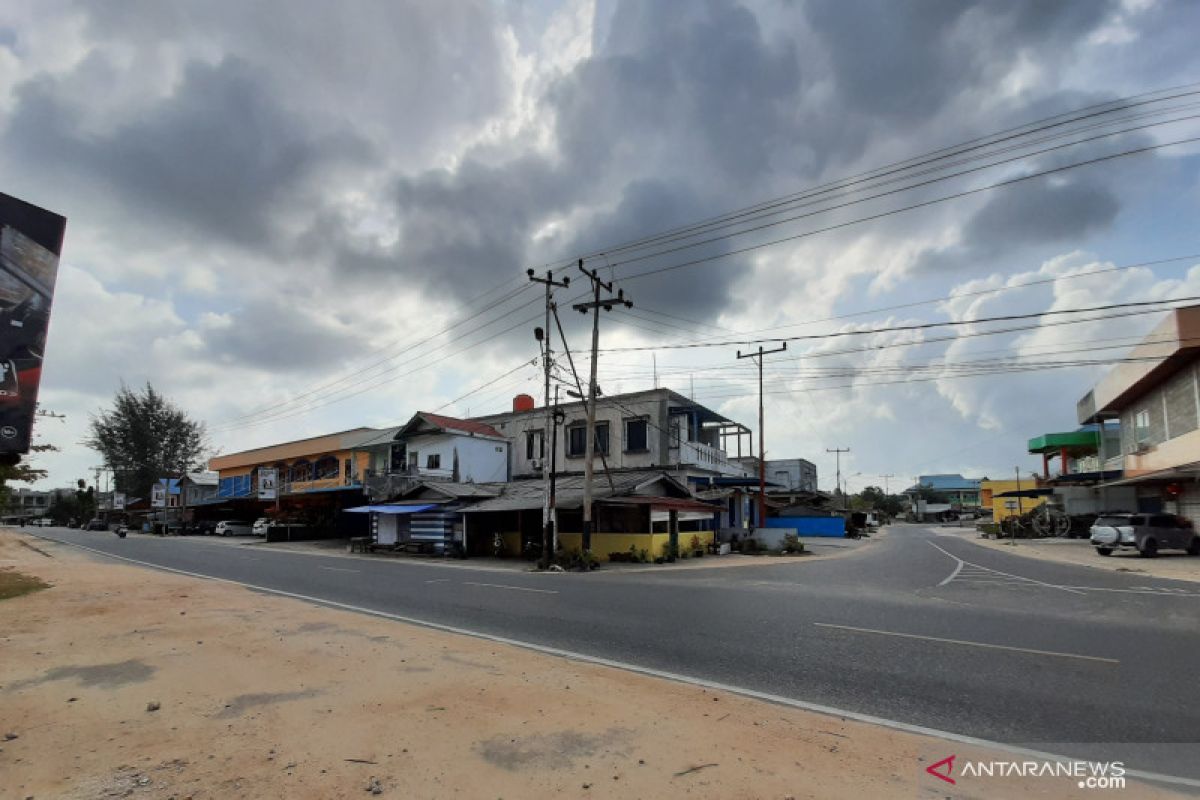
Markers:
point(914, 206)
point(1094, 110)
point(909, 187)
point(909, 328)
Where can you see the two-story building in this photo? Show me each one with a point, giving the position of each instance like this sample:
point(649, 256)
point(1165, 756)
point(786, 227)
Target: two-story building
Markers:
point(938, 496)
point(433, 447)
point(653, 429)
point(1155, 394)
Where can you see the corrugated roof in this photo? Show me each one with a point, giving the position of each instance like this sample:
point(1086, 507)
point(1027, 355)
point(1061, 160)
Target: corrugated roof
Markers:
point(946, 482)
point(461, 425)
point(568, 490)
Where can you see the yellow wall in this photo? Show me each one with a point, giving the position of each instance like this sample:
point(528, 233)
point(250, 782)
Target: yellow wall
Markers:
point(655, 544)
point(1000, 511)
point(363, 459)
point(604, 543)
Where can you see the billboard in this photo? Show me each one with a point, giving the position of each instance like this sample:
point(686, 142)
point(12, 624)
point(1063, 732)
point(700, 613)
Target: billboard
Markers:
point(118, 501)
point(268, 484)
point(30, 244)
point(158, 495)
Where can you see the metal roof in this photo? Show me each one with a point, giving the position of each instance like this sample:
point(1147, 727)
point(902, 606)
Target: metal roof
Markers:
point(946, 482)
point(568, 491)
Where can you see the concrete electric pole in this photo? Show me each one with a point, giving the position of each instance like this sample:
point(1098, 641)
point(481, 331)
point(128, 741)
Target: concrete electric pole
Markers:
point(543, 334)
point(757, 357)
point(594, 306)
point(837, 451)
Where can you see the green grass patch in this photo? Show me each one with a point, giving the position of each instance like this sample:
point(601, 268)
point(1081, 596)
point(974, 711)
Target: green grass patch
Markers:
point(15, 584)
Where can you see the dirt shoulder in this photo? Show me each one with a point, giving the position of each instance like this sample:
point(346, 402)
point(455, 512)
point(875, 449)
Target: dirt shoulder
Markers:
point(1079, 552)
point(120, 681)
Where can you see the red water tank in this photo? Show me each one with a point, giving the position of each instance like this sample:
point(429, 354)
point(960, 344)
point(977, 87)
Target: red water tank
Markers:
point(523, 402)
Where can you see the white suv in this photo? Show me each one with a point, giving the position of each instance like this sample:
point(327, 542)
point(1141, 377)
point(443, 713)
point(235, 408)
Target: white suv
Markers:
point(260, 526)
point(232, 528)
point(1146, 533)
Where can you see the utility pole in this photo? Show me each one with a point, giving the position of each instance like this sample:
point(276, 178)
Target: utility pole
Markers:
point(837, 451)
point(543, 335)
point(762, 447)
point(886, 490)
point(590, 445)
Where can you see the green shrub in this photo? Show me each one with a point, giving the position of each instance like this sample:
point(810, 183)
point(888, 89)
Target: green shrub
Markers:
point(792, 543)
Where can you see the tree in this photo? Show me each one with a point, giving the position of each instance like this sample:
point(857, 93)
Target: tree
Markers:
point(145, 437)
point(22, 472)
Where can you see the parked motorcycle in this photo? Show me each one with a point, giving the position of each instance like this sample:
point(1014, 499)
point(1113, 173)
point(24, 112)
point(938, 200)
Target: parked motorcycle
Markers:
point(122, 529)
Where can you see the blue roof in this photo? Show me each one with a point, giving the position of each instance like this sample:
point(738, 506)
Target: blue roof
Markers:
point(948, 482)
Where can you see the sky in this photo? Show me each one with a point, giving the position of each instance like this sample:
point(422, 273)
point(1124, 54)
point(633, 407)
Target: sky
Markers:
point(295, 217)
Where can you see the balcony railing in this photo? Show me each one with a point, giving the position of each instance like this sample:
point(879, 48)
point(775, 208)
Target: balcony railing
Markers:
point(707, 457)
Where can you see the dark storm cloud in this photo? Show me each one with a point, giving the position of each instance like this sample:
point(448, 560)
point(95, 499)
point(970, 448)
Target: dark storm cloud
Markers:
point(908, 60)
point(691, 95)
point(1026, 219)
point(218, 156)
point(275, 334)
point(1042, 213)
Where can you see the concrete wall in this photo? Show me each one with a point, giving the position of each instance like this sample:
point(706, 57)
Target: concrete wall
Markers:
point(515, 426)
point(479, 460)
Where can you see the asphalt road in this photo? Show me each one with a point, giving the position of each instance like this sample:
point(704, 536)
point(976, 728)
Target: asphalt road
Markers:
point(921, 627)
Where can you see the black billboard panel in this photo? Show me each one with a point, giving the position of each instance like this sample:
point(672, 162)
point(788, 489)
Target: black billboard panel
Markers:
point(30, 244)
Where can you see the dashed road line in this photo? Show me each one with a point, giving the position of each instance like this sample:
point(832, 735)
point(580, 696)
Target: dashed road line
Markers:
point(966, 643)
point(514, 588)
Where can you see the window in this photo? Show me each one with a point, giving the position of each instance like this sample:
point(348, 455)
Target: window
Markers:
point(327, 468)
point(602, 438)
point(635, 436)
point(535, 444)
point(1141, 426)
point(577, 439)
point(433, 461)
point(301, 470)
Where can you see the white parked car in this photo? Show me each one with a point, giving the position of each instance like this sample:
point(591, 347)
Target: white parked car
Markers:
point(260, 526)
point(232, 528)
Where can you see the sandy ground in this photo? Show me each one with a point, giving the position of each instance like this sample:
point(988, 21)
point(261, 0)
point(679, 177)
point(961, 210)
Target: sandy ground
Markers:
point(124, 682)
point(1175, 565)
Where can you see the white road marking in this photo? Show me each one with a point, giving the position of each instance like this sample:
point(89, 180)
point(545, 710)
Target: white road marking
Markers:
point(961, 562)
point(339, 569)
point(516, 588)
point(969, 644)
point(704, 683)
point(1168, 591)
point(957, 569)
point(439, 580)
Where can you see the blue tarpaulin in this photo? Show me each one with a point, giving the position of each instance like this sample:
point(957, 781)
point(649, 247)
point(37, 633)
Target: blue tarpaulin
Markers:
point(810, 526)
point(391, 509)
